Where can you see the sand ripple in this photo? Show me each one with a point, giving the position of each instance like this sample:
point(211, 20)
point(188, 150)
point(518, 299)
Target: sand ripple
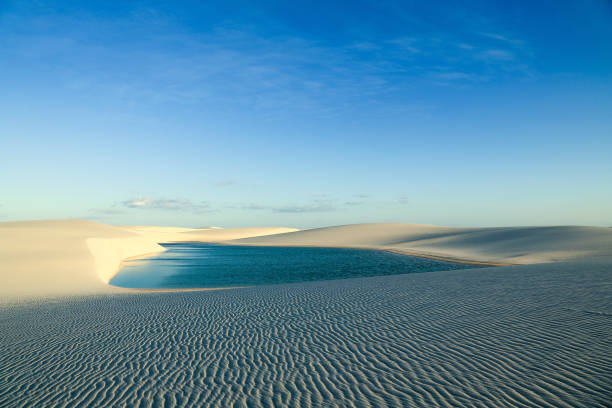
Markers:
point(524, 336)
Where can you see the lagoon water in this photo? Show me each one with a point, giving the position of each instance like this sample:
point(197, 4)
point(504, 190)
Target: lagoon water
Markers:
point(198, 265)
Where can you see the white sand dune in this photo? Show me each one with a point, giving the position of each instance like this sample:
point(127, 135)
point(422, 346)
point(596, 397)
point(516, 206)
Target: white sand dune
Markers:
point(53, 257)
point(71, 257)
point(537, 335)
point(211, 234)
point(510, 245)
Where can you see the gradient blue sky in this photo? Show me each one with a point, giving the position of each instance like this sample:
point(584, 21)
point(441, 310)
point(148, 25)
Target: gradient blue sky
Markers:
point(474, 113)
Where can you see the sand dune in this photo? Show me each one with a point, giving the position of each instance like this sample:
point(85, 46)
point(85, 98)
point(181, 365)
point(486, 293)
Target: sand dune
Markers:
point(510, 245)
point(72, 257)
point(52, 257)
point(212, 234)
point(519, 336)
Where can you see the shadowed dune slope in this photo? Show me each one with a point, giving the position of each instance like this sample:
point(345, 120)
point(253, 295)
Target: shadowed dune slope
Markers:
point(521, 336)
point(506, 245)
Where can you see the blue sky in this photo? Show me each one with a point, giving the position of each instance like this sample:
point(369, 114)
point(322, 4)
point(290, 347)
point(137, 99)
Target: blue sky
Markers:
point(472, 113)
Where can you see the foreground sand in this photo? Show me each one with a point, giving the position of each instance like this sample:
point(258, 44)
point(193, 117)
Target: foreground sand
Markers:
point(536, 335)
point(518, 336)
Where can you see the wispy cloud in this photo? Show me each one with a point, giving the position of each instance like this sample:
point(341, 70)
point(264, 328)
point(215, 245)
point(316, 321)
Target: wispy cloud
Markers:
point(172, 204)
point(497, 54)
point(364, 46)
point(305, 208)
point(317, 206)
point(240, 68)
point(452, 76)
point(408, 44)
point(465, 46)
point(403, 200)
point(321, 202)
point(503, 38)
point(225, 183)
point(253, 207)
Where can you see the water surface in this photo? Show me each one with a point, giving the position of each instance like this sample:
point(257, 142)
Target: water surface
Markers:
point(200, 265)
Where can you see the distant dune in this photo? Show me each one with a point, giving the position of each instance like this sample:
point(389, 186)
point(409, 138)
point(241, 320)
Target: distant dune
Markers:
point(503, 245)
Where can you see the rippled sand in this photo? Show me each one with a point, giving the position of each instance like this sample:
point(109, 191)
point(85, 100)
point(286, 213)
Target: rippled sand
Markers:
point(538, 335)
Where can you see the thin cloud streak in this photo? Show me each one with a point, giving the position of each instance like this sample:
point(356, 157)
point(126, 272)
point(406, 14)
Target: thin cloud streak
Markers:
point(305, 209)
point(225, 183)
point(293, 209)
point(172, 204)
